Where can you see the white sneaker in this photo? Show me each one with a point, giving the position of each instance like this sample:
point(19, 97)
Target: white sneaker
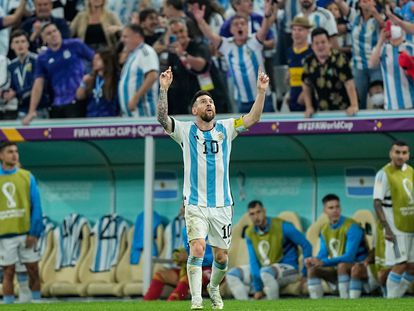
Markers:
point(216, 301)
point(197, 304)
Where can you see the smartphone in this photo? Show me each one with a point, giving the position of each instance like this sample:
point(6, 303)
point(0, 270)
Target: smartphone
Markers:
point(173, 38)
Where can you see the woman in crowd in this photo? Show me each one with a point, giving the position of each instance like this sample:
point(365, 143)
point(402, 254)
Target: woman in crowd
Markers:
point(96, 26)
point(99, 89)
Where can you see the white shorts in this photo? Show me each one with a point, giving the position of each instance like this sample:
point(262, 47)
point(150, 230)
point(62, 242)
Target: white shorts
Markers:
point(285, 274)
point(211, 222)
point(401, 251)
point(13, 250)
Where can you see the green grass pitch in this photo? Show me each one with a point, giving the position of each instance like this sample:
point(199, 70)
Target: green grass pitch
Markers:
point(279, 305)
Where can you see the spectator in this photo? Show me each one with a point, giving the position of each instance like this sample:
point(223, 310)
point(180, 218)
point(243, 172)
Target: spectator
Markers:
point(393, 203)
point(43, 16)
point(8, 106)
point(99, 89)
point(296, 57)
point(291, 8)
point(327, 78)
point(22, 75)
point(12, 19)
point(245, 8)
point(138, 83)
point(62, 66)
point(366, 23)
point(148, 20)
point(320, 17)
point(344, 36)
point(376, 99)
point(123, 9)
point(273, 256)
point(174, 9)
point(191, 63)
point(243, 53)
point(96, 26)
point(342, 243)
point(20, 222)
point(399, 87)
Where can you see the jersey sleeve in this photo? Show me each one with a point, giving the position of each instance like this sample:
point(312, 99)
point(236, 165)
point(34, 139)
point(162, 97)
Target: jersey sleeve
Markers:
point(234, 126)
point(380, 186)
point(178, 130)
point(150, 62)
point(330, 25)
point(225, 46)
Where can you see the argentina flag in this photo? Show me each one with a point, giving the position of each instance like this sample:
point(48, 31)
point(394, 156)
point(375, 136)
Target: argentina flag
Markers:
point(165, 186)
point(359, 181)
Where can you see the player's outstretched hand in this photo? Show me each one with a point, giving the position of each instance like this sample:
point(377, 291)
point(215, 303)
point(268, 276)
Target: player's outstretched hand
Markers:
point(262, 81)
point(166, 79)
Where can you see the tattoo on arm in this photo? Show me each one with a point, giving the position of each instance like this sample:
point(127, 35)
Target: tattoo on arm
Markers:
point(162, 109)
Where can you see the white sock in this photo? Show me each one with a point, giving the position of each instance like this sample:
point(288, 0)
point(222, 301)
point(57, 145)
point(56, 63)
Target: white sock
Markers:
point(270, 285)
point(236, 285)
point(355, 288)
point(218, 272)
point(25, 294)
point(393, 285)
point(406, 280)
point(343, 286)
point(315, 288)
point(194, 274)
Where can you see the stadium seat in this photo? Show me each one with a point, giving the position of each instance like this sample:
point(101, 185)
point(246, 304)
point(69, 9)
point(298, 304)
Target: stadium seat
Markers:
point(368, 223)
point(63, 282)
point(131, 275)
point(46, 254)
point(312, 234)
point(99, 283)
point(293, 218)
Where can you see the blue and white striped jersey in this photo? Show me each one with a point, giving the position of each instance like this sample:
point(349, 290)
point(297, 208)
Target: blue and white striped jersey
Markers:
point(365, 36)
point(140, 61)
point(398, 87)
point(206, 156)
point(322, 18)
point(244, 62)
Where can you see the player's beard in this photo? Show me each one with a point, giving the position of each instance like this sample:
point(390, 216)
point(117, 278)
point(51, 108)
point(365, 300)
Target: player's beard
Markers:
point(208, 117)
point(306, 5)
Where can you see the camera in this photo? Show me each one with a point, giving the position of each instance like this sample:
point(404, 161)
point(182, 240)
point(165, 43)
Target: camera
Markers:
point(173, 38)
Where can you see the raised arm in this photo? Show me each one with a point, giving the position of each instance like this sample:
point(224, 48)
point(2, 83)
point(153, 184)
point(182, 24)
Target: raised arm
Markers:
point(14, 18)
point(166, 78)
point(198, 14)
point(268, 20)
point(376, 53)
point(256, 111)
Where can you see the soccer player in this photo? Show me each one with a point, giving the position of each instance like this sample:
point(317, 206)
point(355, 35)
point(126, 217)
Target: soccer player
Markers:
point(206, 145)
point(394, 205)
point(20, 222)
point(273, 256)
point(342, 243)
point(372, 273)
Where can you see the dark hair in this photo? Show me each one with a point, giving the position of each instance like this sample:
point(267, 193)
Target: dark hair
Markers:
point(319, 31)
point(198, 94)
point(211, 6)
point(376, 83)
point(47, 25)
point(6, 144)
point(18, 33)
point(110, 72)
point(135, 29)
point(145, 13)
point(176, 4)
point(252, 204)
point(330, 197)
point(399, 143)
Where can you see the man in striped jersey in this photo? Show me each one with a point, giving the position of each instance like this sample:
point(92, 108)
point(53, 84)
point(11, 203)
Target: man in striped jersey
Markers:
point(398, 86)
point(394, 205)
point(242, 52)
point(138, 83)
point(206, 146)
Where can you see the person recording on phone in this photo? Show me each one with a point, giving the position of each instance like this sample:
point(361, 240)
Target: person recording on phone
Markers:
point(193, 70)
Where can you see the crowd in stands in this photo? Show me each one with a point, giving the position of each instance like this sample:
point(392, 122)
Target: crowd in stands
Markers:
point(99, 58)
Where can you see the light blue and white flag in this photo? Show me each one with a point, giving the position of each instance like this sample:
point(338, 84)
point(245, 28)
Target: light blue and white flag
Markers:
point(359, 181)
